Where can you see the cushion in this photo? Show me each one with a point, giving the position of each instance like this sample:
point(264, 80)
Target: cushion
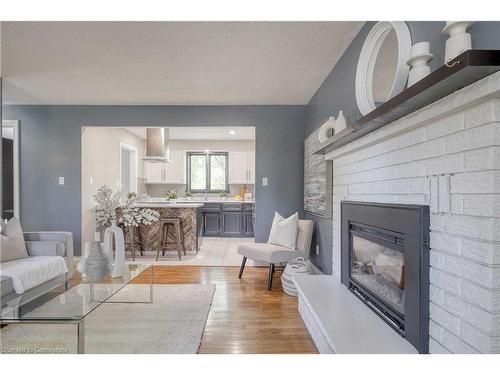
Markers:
point(268, 253)
point(284, 231)
point(13, 246)
point(50, 248)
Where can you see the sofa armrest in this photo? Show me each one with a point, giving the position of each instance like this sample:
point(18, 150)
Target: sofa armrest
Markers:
point(49, 245)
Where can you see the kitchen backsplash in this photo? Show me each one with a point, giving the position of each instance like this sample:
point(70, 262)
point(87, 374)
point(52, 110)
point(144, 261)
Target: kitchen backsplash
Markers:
point(158, 191)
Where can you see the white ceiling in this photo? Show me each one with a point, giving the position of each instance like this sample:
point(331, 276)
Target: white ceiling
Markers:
point(203, 132)
point(182, 63)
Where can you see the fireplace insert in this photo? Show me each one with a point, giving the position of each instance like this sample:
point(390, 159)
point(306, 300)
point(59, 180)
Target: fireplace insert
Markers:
point(385, 262)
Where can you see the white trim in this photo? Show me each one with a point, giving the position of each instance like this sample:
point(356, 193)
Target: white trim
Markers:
point(133, 165)
point(15, 125)
point(368, 57)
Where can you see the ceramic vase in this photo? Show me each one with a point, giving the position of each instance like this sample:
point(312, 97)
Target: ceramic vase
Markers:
point(419, 57)
point(96, 266)
point(116, 262)
point(459, 40)
point(324, 130)
point(341, 123)
point(82, 264)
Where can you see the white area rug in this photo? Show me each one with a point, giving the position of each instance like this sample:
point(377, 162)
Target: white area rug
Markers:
point(174, 323)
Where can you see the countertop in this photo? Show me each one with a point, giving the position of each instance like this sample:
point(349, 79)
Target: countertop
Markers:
point(167, 204)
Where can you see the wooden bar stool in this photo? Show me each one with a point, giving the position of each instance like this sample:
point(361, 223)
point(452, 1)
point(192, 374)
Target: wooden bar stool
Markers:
point(174, 223)
point(134, 238)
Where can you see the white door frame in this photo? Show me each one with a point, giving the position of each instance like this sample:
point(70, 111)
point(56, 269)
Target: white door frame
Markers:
point(133, 164)
point(15, 125)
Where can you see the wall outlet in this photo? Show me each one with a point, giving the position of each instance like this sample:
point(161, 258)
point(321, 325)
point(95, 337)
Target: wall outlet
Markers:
point(317, 249)
point(61, 180)
point(264, 181)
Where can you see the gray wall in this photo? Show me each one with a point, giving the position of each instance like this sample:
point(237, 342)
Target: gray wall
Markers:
point(338, 93)
point(51, 147)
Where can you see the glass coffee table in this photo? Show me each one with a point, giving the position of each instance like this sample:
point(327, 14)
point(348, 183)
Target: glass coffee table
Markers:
point(73, 305)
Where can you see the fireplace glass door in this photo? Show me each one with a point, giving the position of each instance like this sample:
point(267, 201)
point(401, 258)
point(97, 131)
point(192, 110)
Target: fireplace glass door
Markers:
point(377, 265)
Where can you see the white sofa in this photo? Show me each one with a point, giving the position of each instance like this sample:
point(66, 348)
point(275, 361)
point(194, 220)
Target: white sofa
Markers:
point(39, 245)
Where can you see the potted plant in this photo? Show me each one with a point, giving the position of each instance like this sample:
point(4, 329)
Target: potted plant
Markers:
point(224, 195)
point(188, 195)
point(171, 194)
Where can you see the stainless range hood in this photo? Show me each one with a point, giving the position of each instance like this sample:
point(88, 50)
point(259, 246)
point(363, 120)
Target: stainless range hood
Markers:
point(157, 147)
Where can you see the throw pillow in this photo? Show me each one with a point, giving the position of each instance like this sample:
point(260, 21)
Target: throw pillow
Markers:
point(13, 245)
point(284, 231)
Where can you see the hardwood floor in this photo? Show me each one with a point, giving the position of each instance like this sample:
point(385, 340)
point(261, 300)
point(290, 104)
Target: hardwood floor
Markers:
point(244, 317)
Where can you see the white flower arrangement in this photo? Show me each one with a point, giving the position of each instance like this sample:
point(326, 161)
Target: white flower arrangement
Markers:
point(108, 208)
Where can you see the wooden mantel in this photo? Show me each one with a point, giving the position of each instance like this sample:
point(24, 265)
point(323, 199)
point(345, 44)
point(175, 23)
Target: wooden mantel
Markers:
point(467, 68)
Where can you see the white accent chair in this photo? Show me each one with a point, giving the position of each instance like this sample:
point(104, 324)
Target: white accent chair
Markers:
point(272, 254)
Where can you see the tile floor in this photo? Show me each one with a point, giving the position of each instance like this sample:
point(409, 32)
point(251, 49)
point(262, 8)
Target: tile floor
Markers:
point(214, 251)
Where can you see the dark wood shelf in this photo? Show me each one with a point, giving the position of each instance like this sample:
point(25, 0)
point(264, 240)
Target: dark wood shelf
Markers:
point(469, 67)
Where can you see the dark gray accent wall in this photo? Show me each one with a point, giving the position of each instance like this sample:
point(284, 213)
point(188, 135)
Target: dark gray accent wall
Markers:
point(338, 93)
point(51, 147)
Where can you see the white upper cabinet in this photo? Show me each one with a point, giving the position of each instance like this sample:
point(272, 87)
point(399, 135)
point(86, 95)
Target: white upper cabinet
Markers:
point(242, 167)
point(167, 173)
point(175, 171)
point(153, 172)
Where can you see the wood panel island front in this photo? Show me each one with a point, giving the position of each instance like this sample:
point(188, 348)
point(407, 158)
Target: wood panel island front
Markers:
point(189, 213)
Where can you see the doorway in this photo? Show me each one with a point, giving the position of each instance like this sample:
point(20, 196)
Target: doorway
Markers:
point(10, 170)
point(128, 169)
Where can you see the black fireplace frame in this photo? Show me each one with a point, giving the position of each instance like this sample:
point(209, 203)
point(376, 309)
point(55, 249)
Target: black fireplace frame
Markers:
point(411, 223)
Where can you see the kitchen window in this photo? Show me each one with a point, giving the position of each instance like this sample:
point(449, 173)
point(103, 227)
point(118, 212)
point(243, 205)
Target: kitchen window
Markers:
point(207, 172)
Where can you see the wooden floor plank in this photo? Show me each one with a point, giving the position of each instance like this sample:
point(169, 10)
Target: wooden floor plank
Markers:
point(244, 317)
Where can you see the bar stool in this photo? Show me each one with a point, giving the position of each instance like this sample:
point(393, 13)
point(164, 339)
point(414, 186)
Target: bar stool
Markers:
point(134, 238)
point(176, 224)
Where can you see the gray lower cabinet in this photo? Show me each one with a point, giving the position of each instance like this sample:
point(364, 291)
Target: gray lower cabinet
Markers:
point(211, 224)
point(227, 220)
point(247, 228)
point(231, 224)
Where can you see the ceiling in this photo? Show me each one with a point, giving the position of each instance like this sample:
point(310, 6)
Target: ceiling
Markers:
point(235, 133)
point(176, 63)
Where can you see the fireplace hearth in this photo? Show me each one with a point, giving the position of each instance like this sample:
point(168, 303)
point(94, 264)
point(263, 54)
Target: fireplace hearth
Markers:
point(385, 262)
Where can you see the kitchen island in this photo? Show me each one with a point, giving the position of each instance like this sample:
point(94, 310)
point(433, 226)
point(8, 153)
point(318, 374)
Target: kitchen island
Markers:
point(189, 213)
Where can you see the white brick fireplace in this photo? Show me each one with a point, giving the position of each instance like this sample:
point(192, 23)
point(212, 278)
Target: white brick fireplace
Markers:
point(447, 156)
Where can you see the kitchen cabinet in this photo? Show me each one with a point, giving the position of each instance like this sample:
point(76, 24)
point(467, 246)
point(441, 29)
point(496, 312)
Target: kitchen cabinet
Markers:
point(231, 220)
point(228, 220)
point(211, 219)
point(242, 167)
point(167, 173)
point(175, 172)
point(247, 229)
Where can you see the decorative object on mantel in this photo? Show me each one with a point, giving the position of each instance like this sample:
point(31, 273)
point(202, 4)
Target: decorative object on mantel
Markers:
point(378, 52)
point(96, 265)
point(294, 266)
point(459, 40)
point(465, 69)
point(108, 212)
point(324, 129)
point(340, 123)
point(419, 57)
point(317, 178)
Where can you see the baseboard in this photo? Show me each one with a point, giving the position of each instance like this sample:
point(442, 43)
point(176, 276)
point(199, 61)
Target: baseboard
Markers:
point(313, 269)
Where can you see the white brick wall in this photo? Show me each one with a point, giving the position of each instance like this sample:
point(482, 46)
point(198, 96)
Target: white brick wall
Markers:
point(447, 156)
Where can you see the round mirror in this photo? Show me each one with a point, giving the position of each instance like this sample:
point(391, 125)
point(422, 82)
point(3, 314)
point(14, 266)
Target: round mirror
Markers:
point(382, 70)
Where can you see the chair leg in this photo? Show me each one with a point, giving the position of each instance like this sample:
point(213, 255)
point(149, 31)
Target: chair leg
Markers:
point(132, 241)
point(242, 267)
point(179, 240)
point(270, 279)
